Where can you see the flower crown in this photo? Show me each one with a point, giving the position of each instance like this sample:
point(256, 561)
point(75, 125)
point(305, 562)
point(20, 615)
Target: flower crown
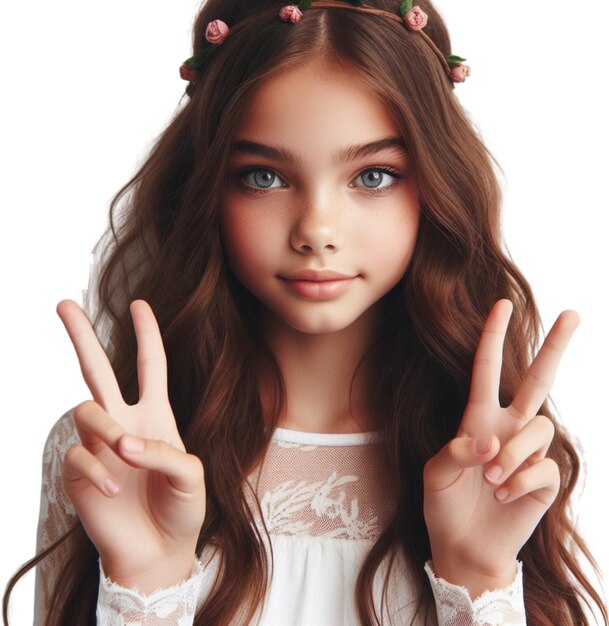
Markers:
point(412, 17)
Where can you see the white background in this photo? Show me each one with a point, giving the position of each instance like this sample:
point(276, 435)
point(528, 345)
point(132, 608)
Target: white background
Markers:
point(87, 88)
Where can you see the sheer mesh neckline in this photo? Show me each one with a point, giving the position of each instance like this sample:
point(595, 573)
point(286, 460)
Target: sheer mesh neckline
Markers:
point(326, 439)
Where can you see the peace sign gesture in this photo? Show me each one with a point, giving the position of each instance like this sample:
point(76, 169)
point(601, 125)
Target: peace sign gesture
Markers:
point(139, 495)
point(488, 488)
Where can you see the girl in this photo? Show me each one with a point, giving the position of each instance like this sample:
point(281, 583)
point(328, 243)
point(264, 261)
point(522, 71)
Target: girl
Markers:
point(328, 143)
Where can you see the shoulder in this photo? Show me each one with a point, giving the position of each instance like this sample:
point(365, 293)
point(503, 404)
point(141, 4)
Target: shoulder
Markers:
point(62, 436)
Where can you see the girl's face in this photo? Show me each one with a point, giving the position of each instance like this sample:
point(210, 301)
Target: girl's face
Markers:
point(306, 194)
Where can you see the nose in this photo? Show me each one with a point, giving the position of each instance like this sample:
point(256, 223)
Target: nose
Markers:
point(318, 227)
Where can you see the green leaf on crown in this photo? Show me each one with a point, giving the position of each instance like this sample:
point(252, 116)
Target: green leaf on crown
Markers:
point(195, 62)
point(454, 60)
point(405, 7)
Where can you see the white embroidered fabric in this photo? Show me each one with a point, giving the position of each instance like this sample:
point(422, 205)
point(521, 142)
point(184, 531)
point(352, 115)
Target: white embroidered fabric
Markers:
point(501, 607)
point(324, 504)
point(175, 605)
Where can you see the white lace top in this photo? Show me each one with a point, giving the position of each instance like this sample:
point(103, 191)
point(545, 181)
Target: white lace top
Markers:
point(323, 502)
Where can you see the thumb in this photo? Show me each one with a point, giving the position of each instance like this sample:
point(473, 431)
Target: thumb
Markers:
point(443, 469)
point(183, 471)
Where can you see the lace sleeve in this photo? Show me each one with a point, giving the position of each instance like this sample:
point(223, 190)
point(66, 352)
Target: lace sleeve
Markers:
point(175, 606)
point(57, 515)
point(500, 607)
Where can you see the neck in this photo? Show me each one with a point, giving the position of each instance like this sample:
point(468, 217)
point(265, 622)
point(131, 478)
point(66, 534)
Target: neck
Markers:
point(318, 370)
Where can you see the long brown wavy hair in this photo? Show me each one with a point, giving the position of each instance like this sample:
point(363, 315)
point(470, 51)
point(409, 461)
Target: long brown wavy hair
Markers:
point(164, 246)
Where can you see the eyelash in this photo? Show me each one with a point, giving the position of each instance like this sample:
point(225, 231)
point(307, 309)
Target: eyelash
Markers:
point(388, 170)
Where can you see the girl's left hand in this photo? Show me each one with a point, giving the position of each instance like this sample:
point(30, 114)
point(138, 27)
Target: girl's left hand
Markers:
point(487, 489)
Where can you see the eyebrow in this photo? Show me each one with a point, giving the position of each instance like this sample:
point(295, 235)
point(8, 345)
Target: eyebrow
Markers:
point(345, 154)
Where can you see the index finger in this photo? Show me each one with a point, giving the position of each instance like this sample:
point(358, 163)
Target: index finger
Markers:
point(486, 372)
point(94, 363)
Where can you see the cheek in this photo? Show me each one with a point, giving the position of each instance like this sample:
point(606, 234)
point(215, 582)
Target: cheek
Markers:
point(391, 241)
point(248, 240)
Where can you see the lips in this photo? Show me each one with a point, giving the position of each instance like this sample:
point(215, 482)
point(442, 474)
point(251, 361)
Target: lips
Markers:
point(317, 275)
point(318, 285)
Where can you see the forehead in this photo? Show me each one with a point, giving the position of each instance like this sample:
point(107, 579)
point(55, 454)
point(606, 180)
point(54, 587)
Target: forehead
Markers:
point(316, 108)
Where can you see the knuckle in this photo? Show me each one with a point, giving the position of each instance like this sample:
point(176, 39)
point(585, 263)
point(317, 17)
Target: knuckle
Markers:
point(484, 361)
point(84, 409)
point(159, 449)
point(519, 413)
point(453, 447)
point(73, 454)
point(519, 483)
point(553, 468)
point(548, 425)
point(76, 464)
point(89, 370)
point(508, 457)
point(114, 432)
point(152, 360)
point(196, 465)
point(428, 469)
point(536, 379)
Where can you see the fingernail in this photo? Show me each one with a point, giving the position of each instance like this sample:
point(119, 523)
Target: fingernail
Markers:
point(501, 494)
point(135, 445)
point(483, 445)
point(493, 473)
point(110, 486)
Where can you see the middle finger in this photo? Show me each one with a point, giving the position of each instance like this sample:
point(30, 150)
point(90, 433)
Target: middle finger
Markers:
point(151, 358)
point(540, 376)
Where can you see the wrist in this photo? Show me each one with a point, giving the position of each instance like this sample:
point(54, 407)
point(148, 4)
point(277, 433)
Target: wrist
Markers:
point(166, 573)
point(475, 580)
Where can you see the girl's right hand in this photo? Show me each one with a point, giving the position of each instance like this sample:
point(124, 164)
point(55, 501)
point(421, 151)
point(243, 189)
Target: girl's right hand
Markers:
point(139, 495)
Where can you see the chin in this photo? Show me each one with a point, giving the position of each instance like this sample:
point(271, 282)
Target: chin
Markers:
point(316, 324)
point(318, 329)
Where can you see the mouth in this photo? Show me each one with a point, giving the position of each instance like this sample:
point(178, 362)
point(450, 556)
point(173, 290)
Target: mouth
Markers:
point(319, 289)
point(317, 275)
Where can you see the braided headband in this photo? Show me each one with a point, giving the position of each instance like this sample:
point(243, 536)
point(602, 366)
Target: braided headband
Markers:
point(412, 17)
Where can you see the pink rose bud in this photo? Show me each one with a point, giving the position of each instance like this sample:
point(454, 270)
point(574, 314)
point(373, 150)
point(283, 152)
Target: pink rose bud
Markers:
point(290, 13)
point(216, 31)
point(460, 72)
point(415, 19)
point(187, 74)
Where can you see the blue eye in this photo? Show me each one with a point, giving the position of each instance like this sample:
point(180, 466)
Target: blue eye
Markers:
point(375, 174)
point(263, 177)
